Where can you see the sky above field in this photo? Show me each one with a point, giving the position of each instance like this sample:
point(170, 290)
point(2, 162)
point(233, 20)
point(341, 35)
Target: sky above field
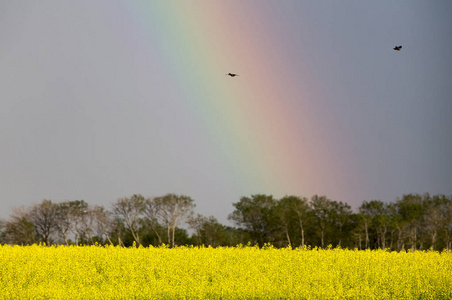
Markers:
point(106, 99)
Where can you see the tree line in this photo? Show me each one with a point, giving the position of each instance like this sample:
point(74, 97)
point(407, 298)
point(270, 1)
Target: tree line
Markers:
point(412, 222)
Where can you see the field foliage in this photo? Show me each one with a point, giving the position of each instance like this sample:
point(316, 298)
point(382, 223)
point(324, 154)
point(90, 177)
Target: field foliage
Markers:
point(95, 272)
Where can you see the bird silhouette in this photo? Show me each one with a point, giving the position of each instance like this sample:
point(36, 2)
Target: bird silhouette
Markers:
point(232, 74)
point(398, 48)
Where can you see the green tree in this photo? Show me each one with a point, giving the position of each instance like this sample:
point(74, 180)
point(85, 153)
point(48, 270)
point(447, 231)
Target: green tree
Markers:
point(151, 214)
point(382, 222)
point(300, 207)
point(253, 214)
point(434, 219)
point(77, 208)
point(284, 219)
point(364, 223)
point(447, 212)
point(44, 219)
point(208, 231)
point(292, 214)
point(104, 222)
point(411, 208)
point(64, 220)
point(321, 208)
point(340, 219)
point(19, 229)
point(398, 228)
point(172, 210)
point(131, 211)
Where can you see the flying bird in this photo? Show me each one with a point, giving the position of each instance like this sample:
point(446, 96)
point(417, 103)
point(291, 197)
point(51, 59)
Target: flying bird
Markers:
point(232, 74)
point(398, 48)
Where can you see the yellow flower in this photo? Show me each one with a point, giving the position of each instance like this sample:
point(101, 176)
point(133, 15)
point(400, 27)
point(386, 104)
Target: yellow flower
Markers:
point(97, 272)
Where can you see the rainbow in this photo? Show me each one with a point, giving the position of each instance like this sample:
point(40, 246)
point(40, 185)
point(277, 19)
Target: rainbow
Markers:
point(253, 120)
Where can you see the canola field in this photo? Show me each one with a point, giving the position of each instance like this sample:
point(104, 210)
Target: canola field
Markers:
point(96, 272)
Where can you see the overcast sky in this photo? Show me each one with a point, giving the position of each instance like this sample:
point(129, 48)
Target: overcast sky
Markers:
point(106, 99)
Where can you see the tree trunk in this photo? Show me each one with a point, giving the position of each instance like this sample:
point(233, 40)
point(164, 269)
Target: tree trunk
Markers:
point(158, 235)
point(367, 234)
point(172, 237)
point(360, 242)
point(302, 231)
point(383, 238)
point(322, 235)
point(90, 237)
point(135, 235)
point(65, 238)
point(413, 239)
point(302, 237)
point(433, 240)
point(400, 243)
point(106, 235)
point(120, 243)
point(109, 240)
point(287, 236)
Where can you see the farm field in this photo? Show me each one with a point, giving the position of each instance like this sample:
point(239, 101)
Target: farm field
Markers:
point(97, 272)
